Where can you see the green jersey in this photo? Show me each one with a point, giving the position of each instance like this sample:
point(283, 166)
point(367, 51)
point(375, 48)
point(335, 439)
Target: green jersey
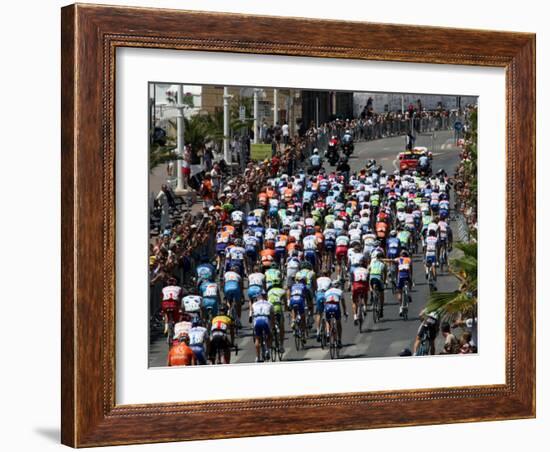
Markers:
point(375, 200)
point(376, 269)
point(403, 237)
point(400, 205)
point(273, 277)
point(275, 296)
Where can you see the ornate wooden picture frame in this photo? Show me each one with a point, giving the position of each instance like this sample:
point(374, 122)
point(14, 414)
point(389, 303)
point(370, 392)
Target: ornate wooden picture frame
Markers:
point(90, 36)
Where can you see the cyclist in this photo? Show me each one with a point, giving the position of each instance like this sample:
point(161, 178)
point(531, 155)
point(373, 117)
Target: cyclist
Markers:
point(323, 283)
point(334, 305)
point(171, 296)
point(377, 276)
point(232, 291)
point(198, 341)
point(424, 343)
point(297, 297)
point(222, 337)
point(210, 297)
point(205, 271)
point(359, 288)
point(262, 313)
point(192, 305)
point(180, 353)
point(256, 285)
point(273, 277)
point(404, 276)
point(277, 297)
point(430, 257)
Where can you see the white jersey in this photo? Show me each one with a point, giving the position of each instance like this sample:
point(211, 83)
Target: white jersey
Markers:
point(310, 242)
point(342, 240)
point(197, 335)
point(443, 226)
point(250, 241)
point(338, 224)
point(210, 291)
point(360, 274)
point(431, 246)
point(323, 283)
point(192, 303)
point(237, 216)
point(262, 308)
point(355, 235)
point(271, 233)
point(310, 222)
point(281, 241)
point(292, 266)
point(409, 219)
point(296, 233)
point(274, 203)
point(433, 227)
point(256, 279)
point(171, 293)
point(182, 329)
point(354, 257)
point(369, 240)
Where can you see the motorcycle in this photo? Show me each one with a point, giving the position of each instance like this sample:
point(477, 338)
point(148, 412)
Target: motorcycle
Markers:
point(333, 155)
point(348, 148)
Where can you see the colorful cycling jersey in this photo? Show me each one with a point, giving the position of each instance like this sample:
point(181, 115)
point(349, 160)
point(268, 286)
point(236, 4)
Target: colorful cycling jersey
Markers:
point(355, 257)
point(404, 237)
point(262, 308)
point(210, 290)
point(256, 279)
point(197, 335)
point(360, 274)
point(404, 266)
point(292, 265)
point(443, 229)
point(237, 216)
point(182, 329)
point(171, 293)
point(376, 269)
point(330, 235)
point(431, 246)
point(296, 233)
point(355, 235)
point(223, 237)
point(275, 296)
point(393, 245)
point(339, 224)
point(251, 243)
point(342, 240)
point(236, 253)
point(273, 203)
point(221, 323)
point(232, 279)
point(271, 233)
point(444, 205)
point(333, 295)
point(251, 220)
point(298, 290)
point(323, 283)
point(310, 242)
point(192, 303)
point(205, 272)
point(281, 241)
point(433, 227)
point(273, 276)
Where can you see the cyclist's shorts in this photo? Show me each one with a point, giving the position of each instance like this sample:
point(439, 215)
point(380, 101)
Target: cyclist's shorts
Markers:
point(233, 294)
point(254, 291)
point(332, 309)
point(211, 303)
point(402, 280)
point(443, 213)
point(341, 252)
point(169, 305)
point(359, 289)
point(252, 253)
point(273, 211)
point(261, 326)
point(319, 301)
point(220, 248)
point(434, 205)
point(376, 283)
point(198, 351)
point(297, 303)
point(310, 256)
point(280, 253)
point(393, 253)
point(430, 260)
point(330, 245)
point(218, 341)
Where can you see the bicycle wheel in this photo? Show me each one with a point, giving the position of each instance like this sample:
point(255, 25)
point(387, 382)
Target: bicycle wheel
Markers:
point(375, 303)
point(323, 333)
point(170, 337)
point(405, 302)
point(332, 340)
point(274, 343)
point(360, 317)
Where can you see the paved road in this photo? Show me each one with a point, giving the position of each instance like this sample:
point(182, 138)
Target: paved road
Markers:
point(392, 334)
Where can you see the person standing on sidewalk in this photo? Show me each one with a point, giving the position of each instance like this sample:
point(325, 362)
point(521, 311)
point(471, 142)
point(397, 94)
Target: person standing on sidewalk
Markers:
point(286, 133)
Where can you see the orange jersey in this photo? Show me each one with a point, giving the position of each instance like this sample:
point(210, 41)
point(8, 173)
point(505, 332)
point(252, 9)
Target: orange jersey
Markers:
point(180, 355)
point(229, 229)
point(262, 198)
point(267, 256)
point(289, 193)
point(270, 192)
point(320, 238)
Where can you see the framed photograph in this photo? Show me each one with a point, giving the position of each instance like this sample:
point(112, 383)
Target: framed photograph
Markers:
point(283, 225)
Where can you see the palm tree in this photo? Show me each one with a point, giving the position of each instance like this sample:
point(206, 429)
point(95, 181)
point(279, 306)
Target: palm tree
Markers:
point(449, 305)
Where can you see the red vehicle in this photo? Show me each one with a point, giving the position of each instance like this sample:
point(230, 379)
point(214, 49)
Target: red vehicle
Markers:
point(408, 160)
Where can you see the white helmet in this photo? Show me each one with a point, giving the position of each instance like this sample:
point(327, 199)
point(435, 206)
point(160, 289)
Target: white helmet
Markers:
point(316, 151)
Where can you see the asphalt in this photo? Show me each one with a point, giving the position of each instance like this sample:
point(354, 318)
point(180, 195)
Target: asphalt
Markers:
point(392, 334)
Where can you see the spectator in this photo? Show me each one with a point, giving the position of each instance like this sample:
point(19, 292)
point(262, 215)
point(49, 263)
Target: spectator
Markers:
point(286, 133)
point(451, 346)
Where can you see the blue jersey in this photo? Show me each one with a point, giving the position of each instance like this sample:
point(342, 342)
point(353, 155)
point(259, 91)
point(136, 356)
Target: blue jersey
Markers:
point(298, 290)
point(205, 272)
point(393, 247)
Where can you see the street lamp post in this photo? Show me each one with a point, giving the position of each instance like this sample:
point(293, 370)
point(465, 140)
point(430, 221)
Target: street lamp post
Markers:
point(226, 98)
point(180, 124)
point(275, 107)
point(256, 92)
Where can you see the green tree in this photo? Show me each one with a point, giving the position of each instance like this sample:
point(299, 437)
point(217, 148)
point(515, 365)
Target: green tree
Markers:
point(161, 154)
point(462, 302)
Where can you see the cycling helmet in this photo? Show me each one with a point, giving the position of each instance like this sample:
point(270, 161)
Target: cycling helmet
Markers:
point(335, 283)
point(306, 265)
point(196, 321)
point(274, 265)
point(238, 242)
point(404, 253)
point(234, 268)
point(172, 280)
point(393, 233)
point(316, 151)
point(299, 277)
